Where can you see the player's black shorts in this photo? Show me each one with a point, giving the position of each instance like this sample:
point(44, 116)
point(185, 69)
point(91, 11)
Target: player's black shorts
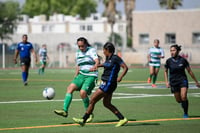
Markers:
point(108, 87)
point(25, 61)
point(177, 87)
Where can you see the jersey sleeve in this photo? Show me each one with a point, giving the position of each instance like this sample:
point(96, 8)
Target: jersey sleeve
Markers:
point(93, 53)
point(162, 52)
point(186, 63)
point(18, 47)
point(167, 64)
point(118, 60)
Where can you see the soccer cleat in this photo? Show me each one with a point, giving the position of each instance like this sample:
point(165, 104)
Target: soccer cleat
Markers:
point(61, 113)
point(149, 80)
point(154, 85)
point(25, 83)
point(185, 116)
point(90, 118)
point(121, 122)
point(79, 121)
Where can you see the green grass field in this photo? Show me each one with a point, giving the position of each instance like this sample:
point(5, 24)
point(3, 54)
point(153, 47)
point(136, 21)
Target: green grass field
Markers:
point(149, 110)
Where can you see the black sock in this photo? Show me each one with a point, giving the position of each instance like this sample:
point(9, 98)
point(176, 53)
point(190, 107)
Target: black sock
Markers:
point(85, 117)
point(184, 105)
point(119, 115)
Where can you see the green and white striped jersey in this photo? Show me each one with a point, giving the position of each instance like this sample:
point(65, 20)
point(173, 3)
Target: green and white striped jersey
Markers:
point(43, 54)
point(85, 61)
point(154, 59)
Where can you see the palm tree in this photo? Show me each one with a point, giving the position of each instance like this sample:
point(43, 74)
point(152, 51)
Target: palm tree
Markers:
point(129, 6)
point(170, 4)
point(110, 12)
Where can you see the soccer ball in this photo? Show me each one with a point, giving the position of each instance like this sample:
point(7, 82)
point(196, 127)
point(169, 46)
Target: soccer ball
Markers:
point(48, 93)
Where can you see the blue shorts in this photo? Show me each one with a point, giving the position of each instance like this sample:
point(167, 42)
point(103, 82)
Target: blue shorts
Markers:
point(108, 87)
point(177, 87)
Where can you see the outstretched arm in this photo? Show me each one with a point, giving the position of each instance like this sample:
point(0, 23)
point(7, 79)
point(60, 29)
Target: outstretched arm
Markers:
point(125, 69)
point(193, 76)
point(166, 78)
point(15, 56)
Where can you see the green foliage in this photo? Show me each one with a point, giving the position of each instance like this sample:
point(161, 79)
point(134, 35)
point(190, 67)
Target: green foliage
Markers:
point(170, 4)
point(9, 11)
point(68, 7)
point(117, 39)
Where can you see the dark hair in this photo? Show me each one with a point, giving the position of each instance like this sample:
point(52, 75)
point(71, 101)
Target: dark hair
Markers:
point(84, 40)
point(157, 40)
point(24, 35)
point(177, 47)
point(110, 47)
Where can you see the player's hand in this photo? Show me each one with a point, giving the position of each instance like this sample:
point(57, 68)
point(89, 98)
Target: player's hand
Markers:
point(167, 85)
point(198, 85)
point(94, 68)
point(119, 79)
point(15, 61)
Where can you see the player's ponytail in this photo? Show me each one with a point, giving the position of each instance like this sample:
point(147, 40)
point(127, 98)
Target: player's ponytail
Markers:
point(177, 47)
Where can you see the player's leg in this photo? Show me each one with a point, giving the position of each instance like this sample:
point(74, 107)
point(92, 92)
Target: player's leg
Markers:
point(156, 70)
point(107, 103)
point(184, 101)
point(151, 71)
point(67, 101)
point(96, 96)
point(86, 89)
point(25, 64)
point(43, 66)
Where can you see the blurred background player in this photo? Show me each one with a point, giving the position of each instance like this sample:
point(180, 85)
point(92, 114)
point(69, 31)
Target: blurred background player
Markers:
point(154, 55)
point(177, 77)
point(24, 49)
point(85, 76)
point(110, 78)
point(43, 58)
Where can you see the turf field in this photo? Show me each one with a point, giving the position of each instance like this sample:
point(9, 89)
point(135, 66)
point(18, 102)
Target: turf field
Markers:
point(149, 110)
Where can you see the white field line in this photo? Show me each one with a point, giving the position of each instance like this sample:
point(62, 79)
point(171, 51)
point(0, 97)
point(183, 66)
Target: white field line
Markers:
point(115, 96)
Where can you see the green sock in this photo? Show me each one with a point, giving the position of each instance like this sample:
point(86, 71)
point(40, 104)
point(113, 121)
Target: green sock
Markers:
point(67, 101)
point(86, 102)
point(43, 70)
point(154, 79)
point(150, 76)
point(39, 71)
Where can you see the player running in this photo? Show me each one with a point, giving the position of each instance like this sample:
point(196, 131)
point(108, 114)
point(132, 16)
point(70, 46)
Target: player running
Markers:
point(154, 56)
point(85, 76)
point(177, 77)
point(24, 49)
point(43, 58)
point(110, 78)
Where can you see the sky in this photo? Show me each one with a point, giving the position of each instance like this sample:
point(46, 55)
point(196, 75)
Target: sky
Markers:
point(143, 5)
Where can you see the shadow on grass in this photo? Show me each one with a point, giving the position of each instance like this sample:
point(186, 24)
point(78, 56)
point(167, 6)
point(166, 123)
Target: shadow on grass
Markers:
point(142, 124)
point(194, 116)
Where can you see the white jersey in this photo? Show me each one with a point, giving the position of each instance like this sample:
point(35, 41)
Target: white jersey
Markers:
point(85, 61)
point(43, 54)
point(154, 59)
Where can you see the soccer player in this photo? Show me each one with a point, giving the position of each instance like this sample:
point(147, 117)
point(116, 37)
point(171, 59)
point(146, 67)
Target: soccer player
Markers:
point(110, 78)
point(154, 56)
point(177, 77)
point(85, 76)
point(43, 58)
point(24, 49)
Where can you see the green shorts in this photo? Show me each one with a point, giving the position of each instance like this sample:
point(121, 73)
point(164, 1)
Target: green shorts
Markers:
point(43, 62)
point(84, 82)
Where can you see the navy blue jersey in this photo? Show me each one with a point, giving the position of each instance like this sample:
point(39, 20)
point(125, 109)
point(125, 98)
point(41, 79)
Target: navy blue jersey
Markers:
point(111, 68)
point(24, 49)
point(177, 70)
